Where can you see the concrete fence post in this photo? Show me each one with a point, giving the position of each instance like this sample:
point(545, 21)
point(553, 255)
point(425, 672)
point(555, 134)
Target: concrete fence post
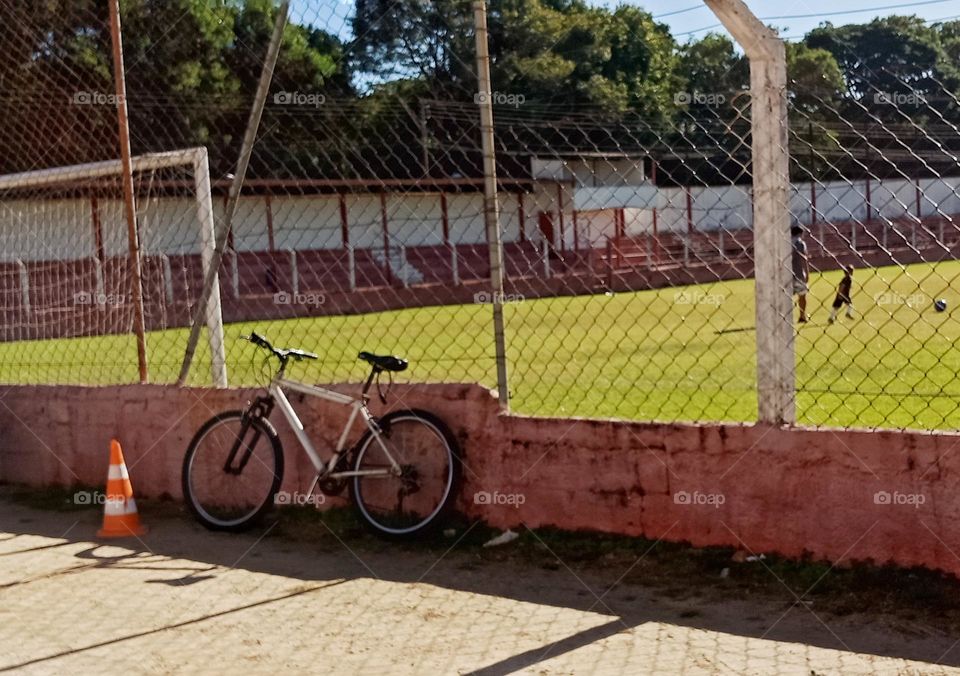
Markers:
point(771, 216)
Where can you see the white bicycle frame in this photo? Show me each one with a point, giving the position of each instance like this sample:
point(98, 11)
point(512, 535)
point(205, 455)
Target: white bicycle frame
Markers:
point(358, 406)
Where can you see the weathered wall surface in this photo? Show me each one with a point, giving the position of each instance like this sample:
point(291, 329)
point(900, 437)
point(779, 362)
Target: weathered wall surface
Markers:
point(836, 495)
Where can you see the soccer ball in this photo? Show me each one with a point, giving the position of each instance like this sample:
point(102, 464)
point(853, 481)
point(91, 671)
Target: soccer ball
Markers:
point(940, 304)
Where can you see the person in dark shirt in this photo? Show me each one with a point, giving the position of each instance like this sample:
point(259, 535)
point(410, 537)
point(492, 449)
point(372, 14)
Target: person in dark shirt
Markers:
point(844, 292)
point(801, 269)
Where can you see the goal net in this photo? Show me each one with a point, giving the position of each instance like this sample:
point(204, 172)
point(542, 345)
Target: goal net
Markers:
point(68, 282)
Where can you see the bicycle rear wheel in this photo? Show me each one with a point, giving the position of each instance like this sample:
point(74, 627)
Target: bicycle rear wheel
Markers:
point(232, 471)
point(407, 505)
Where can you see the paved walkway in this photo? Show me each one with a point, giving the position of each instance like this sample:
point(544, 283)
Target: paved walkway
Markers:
point(187, 601)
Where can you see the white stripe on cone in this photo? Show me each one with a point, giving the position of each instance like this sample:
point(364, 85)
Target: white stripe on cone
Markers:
point(117, 472)
point(120, 506)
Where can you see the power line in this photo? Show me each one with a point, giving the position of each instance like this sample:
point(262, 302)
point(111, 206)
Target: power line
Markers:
point(926, 21)
point(821, 14)
point(854, 11)
point(680, 11)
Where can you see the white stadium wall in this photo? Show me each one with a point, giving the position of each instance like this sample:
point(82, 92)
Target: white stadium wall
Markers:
point(300, 223)
point(169, 225)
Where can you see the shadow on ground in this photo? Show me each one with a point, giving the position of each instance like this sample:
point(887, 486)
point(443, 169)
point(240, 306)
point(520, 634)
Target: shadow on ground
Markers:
point(331, 555)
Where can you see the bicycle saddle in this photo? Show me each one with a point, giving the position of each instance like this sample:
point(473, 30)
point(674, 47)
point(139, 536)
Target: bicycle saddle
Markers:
point(385, 363)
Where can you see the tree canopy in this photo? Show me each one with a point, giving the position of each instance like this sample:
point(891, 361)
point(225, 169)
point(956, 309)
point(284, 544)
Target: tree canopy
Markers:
point(367, 101)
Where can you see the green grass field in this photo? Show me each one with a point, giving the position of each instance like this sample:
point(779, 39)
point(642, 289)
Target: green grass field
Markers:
point(682, 353)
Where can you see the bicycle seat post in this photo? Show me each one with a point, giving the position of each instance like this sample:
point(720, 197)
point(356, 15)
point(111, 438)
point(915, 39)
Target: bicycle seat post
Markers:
point(366, 386)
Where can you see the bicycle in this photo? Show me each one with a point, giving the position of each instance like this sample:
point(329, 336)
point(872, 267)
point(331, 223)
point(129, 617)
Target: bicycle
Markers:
point(403, 473)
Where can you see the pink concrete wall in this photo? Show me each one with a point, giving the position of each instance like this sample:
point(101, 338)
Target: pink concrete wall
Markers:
point(836, 495)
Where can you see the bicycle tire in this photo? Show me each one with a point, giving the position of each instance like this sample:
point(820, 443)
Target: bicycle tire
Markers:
point(266, 431)
point(388, 424)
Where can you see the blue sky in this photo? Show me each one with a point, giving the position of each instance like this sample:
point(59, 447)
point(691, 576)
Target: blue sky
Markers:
point(692, 19)
point(805, 14)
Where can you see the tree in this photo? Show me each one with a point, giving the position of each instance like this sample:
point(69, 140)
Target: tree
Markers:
point(815, 80)
point(551, 52)
point(191, 70)
point(712, 65)
point(892, 65)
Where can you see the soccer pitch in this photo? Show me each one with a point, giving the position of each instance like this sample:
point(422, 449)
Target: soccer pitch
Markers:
point(679, 353)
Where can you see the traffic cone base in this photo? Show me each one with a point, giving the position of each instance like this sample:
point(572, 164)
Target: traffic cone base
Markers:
point(120, 517)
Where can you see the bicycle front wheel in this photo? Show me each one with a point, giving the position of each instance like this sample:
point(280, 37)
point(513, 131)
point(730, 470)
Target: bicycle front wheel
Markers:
point(406, 504)
point(232, 471)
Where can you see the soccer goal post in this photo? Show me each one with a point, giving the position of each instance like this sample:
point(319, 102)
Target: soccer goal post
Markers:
point(65, 266)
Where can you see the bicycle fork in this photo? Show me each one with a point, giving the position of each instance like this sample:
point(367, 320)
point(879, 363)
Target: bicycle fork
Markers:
point(260, 408)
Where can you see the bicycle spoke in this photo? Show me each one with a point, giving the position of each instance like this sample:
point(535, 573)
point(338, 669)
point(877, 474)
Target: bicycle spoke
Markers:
point(398, 505)
point(231, 472)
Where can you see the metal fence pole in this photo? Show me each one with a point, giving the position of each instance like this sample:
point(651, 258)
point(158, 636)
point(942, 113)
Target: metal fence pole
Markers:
point(491, 207)
point(294, 273)
point(220, 241)
point(167, 272)
point(352, 267)
point(98, 282)
point(130, 209)
point(454, 264)
point(234, 274)
point(776, 397)
point(24, 286)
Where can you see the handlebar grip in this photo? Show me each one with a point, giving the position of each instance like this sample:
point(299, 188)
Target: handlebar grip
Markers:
point(257, 339)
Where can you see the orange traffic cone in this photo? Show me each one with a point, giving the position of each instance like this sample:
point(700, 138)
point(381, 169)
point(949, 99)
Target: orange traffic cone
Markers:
point(120, 518)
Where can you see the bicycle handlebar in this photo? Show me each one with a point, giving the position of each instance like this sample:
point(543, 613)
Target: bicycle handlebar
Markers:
point(379, 364)
point(280, 353)
point(259, 341)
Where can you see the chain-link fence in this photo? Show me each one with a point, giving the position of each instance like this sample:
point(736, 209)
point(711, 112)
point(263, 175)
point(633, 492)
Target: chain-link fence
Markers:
point(625, 173)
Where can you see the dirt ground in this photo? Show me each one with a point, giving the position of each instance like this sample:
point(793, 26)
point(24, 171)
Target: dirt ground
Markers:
point(184, 600)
